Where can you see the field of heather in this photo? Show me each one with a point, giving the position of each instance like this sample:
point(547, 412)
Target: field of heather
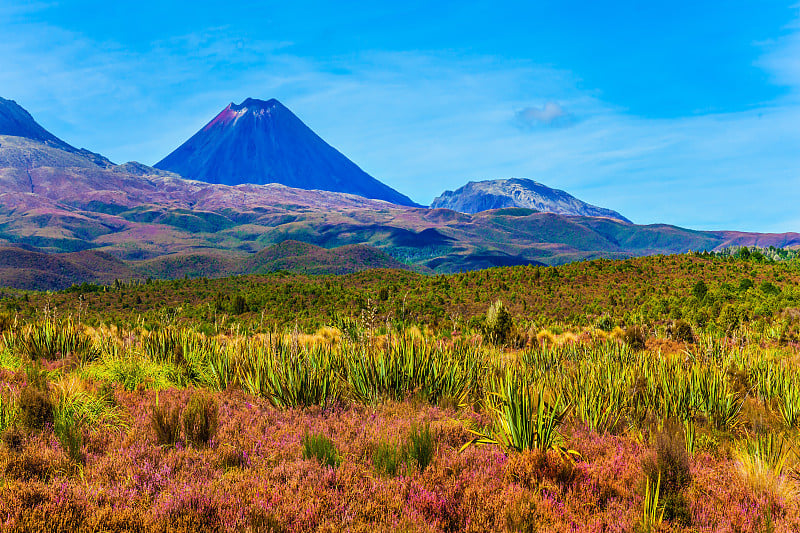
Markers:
point(170, 429)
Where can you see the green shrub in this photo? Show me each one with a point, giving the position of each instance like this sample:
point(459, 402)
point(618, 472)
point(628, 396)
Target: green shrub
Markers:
point(388, 457)
point(681, 331)
point(498, 323)
point(239, 305)
point(769, 289)
point(35, 406)
point(635, 338)
point(605, 323)
point(322, 449)
point(68, 428)
point(700, 290)
point(200, 420)
point(669, 460)
point(421, 446)
point(166, 424)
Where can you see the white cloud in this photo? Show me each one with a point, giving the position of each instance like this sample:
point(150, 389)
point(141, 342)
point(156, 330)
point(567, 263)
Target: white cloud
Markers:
point(550, 114)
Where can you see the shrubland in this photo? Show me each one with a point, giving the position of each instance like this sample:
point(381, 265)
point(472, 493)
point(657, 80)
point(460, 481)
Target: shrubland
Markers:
point(599, 396)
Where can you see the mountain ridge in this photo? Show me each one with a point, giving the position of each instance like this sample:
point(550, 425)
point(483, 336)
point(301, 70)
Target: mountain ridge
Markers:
point(54, 200)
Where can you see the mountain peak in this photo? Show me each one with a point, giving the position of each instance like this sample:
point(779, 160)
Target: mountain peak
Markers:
point(255, 103)
point(478, 196)
point(262, 141)
point(16, 121)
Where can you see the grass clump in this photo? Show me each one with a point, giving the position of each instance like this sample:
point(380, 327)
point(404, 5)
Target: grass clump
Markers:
point(388, 457)
point(200, 420)
point(68, 428)
point(166, 423)
point(763, 462)
point(635, 337)
point(322, 449)
point(420, 445)
point(35, 403)
point(668, 462)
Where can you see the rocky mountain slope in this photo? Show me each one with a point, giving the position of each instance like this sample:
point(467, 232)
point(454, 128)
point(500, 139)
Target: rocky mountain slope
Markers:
point(477, 196)
point(263, 142)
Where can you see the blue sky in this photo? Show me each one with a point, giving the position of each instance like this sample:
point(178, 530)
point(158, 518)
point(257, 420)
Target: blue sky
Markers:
point(685, 113)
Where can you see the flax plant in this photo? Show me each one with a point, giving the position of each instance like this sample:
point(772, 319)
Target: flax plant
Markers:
point(526, 416)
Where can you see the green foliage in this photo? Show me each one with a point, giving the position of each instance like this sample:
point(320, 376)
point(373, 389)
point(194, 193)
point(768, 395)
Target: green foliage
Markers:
point(320, 448)
point(652, 509)
point(200, 420)
point(498, 324)
point(700, 290)
point(132, 371)
point(412, 366)
point(745, 284)
point(789, 402)
point(53, 339)
point(388, 457)
point(635, 337)
point(420, 446)
point(239, 305)
point(288, 376)
point(525, 416)
point(772, 450)
point(668, 461)
point(166, 423)
point(68, 428)
point(769, 289)
point(9, 412)
point(605, 323)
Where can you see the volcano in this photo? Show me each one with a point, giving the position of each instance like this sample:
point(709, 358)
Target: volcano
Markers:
point(14, 120)
point(263, 142)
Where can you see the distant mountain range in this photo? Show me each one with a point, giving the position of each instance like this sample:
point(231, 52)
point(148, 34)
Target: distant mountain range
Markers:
point(477, 196)
point(132, 220)
point(263, 142)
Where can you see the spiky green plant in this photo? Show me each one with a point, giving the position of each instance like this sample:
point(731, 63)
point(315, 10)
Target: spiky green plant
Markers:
point(789, 403)
point(526, 416)
point(652, 510)
point(9, 411)
point(411, 366)
point(288, 377)
point(53, 339)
